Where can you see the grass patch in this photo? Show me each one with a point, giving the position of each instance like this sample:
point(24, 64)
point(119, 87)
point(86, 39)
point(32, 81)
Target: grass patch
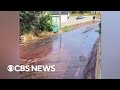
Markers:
point(28, 37)
point(45, 33)
point(77, 14)
point(66, 29)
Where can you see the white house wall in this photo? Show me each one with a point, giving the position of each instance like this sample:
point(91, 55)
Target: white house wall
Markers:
point(64, 18)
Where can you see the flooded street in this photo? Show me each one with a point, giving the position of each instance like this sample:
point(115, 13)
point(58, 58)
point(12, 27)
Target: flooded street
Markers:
point(69, 52)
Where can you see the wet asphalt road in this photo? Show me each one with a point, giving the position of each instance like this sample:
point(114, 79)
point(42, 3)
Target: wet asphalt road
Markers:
point(69, 52)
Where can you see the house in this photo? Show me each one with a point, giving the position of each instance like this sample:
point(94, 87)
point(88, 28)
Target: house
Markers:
point(56, 15)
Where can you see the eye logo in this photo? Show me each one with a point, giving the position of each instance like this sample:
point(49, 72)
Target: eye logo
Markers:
point(10, 68)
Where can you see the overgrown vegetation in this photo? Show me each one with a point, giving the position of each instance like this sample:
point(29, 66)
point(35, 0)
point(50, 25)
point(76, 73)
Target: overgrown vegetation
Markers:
point(35, 22)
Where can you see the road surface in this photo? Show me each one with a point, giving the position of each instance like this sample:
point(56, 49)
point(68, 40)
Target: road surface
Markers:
point(73, 21)
point(69, 52)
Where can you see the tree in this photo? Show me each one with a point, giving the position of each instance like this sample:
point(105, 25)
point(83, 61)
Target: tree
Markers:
point(34, 21)
point(28, 21)
point(46, 22)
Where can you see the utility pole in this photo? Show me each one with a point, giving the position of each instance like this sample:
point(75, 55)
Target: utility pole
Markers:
point(60, 18)
point(60, 28)
point(59, 57)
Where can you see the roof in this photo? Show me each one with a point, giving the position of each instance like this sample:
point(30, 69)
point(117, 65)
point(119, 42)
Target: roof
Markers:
point(57, 12)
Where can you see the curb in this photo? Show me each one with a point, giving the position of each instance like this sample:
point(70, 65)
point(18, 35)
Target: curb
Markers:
point(98, 62)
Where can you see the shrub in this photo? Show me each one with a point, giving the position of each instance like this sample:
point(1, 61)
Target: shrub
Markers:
point(35, 21)
point(46, 23)
point(27, 21)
